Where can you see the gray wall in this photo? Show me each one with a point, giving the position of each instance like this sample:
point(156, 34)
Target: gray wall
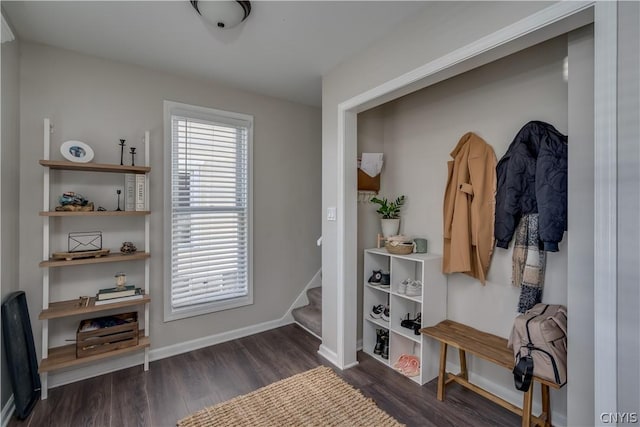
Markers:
point(628, 207)
point(9, 196)
point(99, 101)
point(419, 132)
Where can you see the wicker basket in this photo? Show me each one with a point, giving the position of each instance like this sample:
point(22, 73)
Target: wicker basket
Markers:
point(401, 249)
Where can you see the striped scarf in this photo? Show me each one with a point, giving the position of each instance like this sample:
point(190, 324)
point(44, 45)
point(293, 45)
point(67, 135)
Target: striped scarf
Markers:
point(529, 263)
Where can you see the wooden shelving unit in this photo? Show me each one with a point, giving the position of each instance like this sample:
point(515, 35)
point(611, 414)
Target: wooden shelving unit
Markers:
point(65, 356)
point(72, 307)
point(93, 167)
point(54, 358)
point(95, 213)
point(116, 257)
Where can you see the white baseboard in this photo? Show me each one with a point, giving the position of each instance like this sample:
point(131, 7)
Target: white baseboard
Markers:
point(351, 365)
point(331, 356)
point(7, 411)
point(307, 329)
point(302, 300)
point(187, 346)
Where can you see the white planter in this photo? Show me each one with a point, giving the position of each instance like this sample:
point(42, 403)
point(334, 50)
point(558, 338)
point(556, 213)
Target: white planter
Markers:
point(390, 227)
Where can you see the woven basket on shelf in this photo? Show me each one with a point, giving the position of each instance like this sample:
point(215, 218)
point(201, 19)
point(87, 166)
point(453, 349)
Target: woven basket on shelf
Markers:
point(401, 249)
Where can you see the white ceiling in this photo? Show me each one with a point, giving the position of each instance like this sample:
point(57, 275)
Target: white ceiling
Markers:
point(281, 50)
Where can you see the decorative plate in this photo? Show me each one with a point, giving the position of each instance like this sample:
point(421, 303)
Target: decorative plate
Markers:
point(76, 151)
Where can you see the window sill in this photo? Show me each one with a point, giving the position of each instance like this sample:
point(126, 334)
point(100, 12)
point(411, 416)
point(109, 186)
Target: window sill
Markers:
point(199, 310)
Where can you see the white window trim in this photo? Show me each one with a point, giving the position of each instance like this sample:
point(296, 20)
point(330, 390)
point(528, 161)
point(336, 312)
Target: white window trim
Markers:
point(205, 113)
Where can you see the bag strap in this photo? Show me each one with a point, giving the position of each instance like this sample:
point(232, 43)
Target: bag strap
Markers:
point(530, 319)
point(523, 372)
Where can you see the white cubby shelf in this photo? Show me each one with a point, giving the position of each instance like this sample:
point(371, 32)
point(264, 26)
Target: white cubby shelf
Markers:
point(432, 304)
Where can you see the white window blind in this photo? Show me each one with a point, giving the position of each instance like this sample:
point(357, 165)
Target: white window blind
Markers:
point(209, 218)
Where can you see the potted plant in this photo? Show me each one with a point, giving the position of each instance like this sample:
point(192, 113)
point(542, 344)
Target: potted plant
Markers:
point(390, 212)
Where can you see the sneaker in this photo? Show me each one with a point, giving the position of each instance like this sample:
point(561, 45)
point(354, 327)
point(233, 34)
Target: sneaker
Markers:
point(376, 311)
point(402, 362)
point(385, 346)
point(376, 277)
point(408, 365)
point(385, 280)
point(412, 368)
point(414, 289)
point(402, 287)
point(385, 314)
point(379, 344)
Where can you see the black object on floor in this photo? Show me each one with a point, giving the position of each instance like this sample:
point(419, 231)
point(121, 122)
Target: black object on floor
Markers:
point(21, 353)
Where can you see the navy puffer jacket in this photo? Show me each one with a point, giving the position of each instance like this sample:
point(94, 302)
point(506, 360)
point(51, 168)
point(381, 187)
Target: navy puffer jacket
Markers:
point(532, 178)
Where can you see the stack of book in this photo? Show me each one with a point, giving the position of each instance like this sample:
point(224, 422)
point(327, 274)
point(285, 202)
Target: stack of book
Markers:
point(135, 189)
point(114, 295)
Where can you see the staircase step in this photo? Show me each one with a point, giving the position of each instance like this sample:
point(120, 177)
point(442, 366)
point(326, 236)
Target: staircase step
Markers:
point(310, 317)
point(315, 297)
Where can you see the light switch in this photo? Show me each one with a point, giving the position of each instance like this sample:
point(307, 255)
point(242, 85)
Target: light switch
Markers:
point(331, 214)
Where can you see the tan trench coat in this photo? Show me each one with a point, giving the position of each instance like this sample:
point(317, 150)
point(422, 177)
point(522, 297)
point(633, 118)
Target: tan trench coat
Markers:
point(469, 208)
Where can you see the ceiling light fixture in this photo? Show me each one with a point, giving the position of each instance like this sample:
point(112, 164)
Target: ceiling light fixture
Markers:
point(223, 14)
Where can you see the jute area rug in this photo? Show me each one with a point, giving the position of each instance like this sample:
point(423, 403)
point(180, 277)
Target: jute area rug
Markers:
point(314, 398)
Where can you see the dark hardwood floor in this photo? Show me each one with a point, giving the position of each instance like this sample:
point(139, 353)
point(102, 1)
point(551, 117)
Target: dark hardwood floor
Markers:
point(177, 386)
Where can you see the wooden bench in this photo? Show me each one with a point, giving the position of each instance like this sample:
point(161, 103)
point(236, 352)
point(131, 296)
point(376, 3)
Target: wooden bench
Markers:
point(494, 349)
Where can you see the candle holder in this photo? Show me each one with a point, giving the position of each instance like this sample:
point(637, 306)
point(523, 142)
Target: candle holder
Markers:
point(132, 150)
point(118, 192)
point(122, 144)
point(121, 281)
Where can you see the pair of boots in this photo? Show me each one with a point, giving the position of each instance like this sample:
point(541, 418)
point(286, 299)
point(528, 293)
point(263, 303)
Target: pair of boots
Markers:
point(382, 343)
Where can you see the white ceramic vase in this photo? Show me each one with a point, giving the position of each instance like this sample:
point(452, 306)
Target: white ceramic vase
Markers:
point(390, 227)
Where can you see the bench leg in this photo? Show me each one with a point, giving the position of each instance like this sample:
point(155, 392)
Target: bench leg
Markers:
point(546, 406)
point(442, 373)
point(463, 364)
point(527, 401)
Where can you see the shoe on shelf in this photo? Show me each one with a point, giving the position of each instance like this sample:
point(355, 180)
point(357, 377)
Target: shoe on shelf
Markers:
point(402, 362)
point(417, 324)
point(375, 278)
point(385, 346)
point(402, 287)
point(378, 348)
point(408, 365)
point(385, 314)
point(376, 311)
point(385, 280)
point(410, 323)
point(413, 367)
point(414, 289)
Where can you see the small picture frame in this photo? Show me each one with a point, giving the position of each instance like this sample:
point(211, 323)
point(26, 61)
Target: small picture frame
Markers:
point(84, 241)
point(76, 151)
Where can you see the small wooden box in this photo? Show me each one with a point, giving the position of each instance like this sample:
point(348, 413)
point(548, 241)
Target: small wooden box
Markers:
point(120, 331)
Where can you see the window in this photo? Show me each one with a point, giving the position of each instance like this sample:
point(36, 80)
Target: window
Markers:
point(207, 210)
